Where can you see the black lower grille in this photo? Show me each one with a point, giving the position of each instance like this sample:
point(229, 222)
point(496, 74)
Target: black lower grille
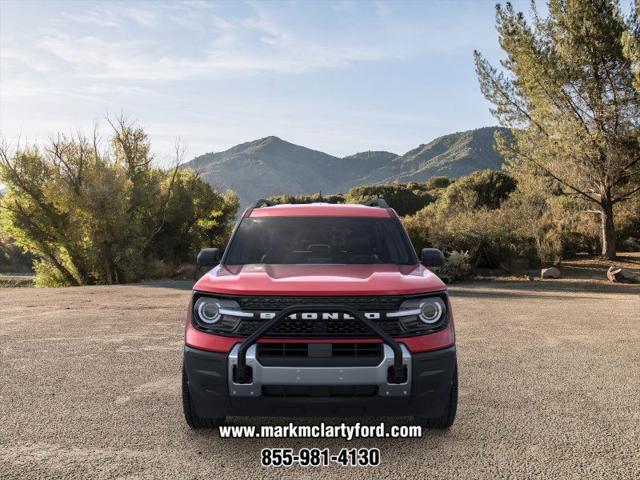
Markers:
point(291, 349)
point(283, 349)
point(357, 349)
point(319, 354)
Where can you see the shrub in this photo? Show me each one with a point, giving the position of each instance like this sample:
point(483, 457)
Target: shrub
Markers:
point(406, 199)
point(435, 183)
point(456, 266)
point(628, 220)
point(482, 189)
point(47, 276)
point(489, 236)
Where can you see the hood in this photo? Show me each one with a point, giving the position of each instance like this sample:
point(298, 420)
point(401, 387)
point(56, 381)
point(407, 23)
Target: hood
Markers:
point(319, 280)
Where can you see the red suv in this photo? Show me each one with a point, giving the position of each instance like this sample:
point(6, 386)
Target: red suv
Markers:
point(320, 309)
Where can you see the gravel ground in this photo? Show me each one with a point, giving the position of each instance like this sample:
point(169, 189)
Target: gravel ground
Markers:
point(549, 388)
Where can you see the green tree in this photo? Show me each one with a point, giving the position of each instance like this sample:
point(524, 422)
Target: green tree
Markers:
point(481, 189)
point(631, 41)
point(93, 216)
point(196, 216)
point(567, 91)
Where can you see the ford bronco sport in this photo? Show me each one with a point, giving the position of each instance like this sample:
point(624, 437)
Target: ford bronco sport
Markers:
point(320, 309)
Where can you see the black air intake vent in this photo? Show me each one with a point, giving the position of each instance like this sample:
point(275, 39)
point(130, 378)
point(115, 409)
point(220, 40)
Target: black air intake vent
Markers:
point(357, 349)
point(283, 349)
point(294, 349)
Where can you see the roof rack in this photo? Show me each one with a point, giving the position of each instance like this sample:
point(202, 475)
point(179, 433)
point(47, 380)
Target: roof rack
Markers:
point(263, 202)
point(376, 202)
point(260, 203)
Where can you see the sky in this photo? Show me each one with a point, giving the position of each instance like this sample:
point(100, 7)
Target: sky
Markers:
point(340, 77)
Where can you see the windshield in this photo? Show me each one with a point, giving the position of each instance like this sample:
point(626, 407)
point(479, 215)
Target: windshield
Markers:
point(313, 240)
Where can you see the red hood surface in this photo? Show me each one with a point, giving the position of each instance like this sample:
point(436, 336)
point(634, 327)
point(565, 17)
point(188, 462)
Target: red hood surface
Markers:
point(319, 280)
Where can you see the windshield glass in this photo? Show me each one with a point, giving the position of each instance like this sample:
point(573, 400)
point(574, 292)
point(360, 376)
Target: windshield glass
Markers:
point(313, 240)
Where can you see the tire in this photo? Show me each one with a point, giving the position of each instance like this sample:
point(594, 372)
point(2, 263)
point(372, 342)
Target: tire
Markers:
point(446, 420)
point(193, 420)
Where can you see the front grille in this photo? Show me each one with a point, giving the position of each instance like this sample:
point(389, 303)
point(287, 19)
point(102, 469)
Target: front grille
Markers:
point(319, 328)
point(323, 328)
point(365, 304)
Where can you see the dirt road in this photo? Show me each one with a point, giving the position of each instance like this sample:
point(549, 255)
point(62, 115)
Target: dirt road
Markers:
point(549, 388)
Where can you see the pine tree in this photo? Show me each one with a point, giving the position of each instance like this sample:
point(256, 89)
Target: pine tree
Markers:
point(566, 89)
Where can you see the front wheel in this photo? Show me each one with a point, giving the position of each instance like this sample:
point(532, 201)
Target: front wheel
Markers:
point(446, 419)
point(190, 415)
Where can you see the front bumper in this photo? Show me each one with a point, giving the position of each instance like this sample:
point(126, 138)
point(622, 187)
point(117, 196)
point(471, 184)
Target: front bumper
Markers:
point(376, 376)
point(425, 393)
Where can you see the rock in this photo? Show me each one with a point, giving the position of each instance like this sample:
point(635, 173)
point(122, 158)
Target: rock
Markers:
point(551, 272)
point(621, 275)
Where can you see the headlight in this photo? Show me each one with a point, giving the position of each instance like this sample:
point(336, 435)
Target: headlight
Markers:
point(431, 310)
point(208, 310)
point(420, 314)
point(217, 314)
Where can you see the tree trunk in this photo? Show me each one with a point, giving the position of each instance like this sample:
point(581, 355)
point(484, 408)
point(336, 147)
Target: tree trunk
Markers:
point(608, 230)
point(107, 272)
point(68, 276)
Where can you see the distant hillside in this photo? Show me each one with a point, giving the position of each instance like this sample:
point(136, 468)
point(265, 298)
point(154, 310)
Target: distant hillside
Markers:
point(269, 166)
point(363, 161)
point(453, 156)
point(272, 166)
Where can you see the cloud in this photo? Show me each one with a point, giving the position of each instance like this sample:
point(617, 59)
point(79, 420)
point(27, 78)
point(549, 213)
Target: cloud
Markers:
point(110, 16)
point(225, 56)
point(179, 62)
point(99, 17)
point(383, 10)
point(141, 16)
point(195, 40)
point(234, 46)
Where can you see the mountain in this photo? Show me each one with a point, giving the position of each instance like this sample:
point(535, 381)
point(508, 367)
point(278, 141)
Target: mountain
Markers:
point(453, 155)
point(271, 166)
point(355, 166)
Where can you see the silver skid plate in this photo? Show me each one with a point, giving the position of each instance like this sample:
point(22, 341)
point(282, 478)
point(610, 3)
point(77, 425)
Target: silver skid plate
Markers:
point(330, 376)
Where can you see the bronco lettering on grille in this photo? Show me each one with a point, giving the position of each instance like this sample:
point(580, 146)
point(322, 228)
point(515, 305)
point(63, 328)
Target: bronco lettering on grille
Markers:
point(319, 316)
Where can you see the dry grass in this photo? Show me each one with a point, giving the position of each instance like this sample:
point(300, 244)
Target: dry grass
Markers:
point(8, 280)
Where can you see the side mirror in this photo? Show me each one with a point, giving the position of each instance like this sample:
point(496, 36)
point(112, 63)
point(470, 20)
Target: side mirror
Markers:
point(208, 257)
point(432, 257)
